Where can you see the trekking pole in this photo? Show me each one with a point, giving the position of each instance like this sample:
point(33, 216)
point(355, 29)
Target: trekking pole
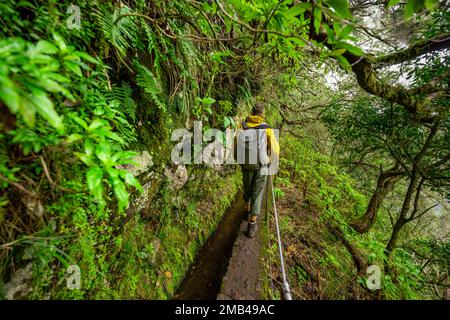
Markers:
point(286, 288)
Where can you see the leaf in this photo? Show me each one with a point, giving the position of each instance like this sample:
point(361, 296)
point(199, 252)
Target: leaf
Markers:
point(86, 57)
point(430, 4)
point(343, 62)
point(75, 68)
point(74, 137)
point(89, 147)
point(337, 28)
point(330, 34)
point(413, 6)
point(232, 122)
point(57, 77)
point(226, 122)
point(103, 152)
point(85, 158)
point(298, 9)
point(96, 123)
point(208, 101)
point(341, 8)
point(28, 110)
point(392, 3)
point(9, 94)
point(337, 52)
point(37, 58)
point(94, 178)
point(317, 19)
point(59, 42)
point(131, 180)
point(123, 157)
point(50, 85)
point(114, 136)
point(345, 31)
point(278, 192)
point(44, 46)
point(71, 57)
point(297, 42)
point(355, 50)
point(44, 107)
point(79, 121)
point(120, 191)
point(409, 9)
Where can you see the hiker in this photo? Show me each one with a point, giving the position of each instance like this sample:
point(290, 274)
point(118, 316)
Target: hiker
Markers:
point(255, 147)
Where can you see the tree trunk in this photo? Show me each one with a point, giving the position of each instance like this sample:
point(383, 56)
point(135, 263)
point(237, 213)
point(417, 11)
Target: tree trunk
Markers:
point(385, 183)
point(393, 240)
point(358, 260)
point(402, 220)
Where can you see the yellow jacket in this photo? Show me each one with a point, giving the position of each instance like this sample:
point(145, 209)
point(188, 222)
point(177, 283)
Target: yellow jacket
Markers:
point(272, 143)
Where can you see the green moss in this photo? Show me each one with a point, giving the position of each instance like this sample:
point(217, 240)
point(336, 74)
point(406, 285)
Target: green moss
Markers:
point(151, 265)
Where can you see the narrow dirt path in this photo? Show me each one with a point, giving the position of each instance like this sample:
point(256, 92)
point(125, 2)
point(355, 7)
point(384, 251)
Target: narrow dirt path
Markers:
point(228, 265)
point(204, 277)
point(242, 279)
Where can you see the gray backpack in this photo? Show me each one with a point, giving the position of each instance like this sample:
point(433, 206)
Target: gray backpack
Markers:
point(252, 146)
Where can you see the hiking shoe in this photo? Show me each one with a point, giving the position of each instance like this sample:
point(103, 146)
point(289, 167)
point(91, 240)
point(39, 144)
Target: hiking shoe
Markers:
point(251, 229)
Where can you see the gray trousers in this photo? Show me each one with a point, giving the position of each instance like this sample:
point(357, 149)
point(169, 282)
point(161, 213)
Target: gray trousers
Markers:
point(254, 183)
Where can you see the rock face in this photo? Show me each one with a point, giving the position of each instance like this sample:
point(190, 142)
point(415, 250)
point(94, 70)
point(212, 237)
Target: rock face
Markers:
point(19, 286)
point(178, 176)
point(142, 200)
point(143, 161)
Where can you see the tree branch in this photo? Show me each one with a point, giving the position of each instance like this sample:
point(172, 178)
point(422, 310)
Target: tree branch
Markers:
point(422, 213)
point(421, 47)
point(367, 78)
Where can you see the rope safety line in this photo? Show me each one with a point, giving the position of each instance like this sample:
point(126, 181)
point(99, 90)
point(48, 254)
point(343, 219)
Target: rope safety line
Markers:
point(286, 287)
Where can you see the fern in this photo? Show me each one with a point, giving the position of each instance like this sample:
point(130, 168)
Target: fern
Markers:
point(122, 35)
point(150, 84)
point(152, 46)
point(127, 105)
point(125, 128)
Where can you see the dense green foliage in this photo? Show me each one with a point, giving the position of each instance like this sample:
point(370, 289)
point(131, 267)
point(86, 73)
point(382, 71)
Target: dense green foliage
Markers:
point(71, 119)
point(326, 258)
point(84, 105)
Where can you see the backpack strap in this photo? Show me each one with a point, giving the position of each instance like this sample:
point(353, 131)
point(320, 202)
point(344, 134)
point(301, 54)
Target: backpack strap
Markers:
point(262, 125)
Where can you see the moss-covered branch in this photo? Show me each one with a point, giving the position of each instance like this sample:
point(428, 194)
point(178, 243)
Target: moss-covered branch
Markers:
point(419, 48)
point(364, 69)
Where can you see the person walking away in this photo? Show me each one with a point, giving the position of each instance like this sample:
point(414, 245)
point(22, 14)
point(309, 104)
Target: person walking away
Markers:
point(255, 146)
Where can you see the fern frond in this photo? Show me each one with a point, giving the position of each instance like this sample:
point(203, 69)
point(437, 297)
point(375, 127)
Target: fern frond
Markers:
point(152, 46)
point(122, 93)
point(150, 84)
point(123, 34)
